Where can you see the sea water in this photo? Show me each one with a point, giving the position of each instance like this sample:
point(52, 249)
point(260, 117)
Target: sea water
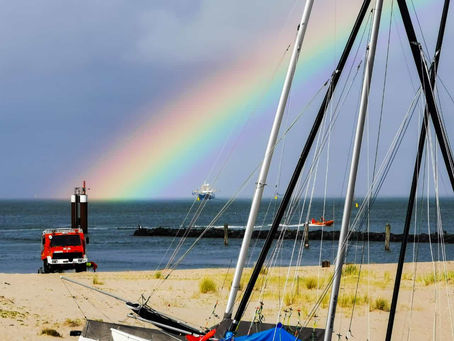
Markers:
point(114, 248)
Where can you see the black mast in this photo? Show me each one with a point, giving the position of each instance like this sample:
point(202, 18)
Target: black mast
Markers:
point(422, 137)
point(425, 78)
point(305, 152)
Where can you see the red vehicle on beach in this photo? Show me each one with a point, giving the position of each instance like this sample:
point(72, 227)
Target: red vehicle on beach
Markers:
point(63, 249)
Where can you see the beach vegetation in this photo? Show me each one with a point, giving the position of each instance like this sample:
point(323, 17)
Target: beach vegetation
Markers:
point(243, 282)
point(207, 285)
point(387, 276)
point(311, 282)
point(350, 270)
point(97, 281)
point(325, 301)
point(158, 275)
point(290, 298)
point(50, 332)
point(11, 314)
point(430, 278)
point(380, 304)
point(407, 276)
point(73, 323)
point(348, 300)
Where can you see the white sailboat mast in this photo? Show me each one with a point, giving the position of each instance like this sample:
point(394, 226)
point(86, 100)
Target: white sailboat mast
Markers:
point(267, 158)
point(353, 171)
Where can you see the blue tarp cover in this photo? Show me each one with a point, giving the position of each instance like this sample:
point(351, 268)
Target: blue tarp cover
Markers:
point(277, 334)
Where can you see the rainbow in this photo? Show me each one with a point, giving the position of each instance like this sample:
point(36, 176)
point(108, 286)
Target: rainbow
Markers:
point(149, 159)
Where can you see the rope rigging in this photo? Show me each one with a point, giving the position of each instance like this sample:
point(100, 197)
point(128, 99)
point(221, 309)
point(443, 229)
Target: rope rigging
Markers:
point(372, 193)
point(323, 139)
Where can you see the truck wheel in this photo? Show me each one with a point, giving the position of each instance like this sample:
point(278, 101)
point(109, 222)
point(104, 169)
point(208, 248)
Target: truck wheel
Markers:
point(46, 267)
point(81, 267)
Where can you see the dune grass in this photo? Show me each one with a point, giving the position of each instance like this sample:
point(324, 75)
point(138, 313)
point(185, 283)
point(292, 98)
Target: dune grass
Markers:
point(431, 278)
point(11, 314)
point(350, 270)
point(50, 332)
point(303, 288)
point(97, 281)
point(347, 300)
point(380, 304)
point(310, 282)
point(73, 323)
point(207, 285)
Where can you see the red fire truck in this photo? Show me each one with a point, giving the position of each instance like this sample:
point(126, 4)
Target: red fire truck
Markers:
point(63, 249)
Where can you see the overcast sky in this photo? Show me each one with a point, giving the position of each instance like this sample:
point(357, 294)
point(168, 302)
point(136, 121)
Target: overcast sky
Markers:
point(76, 75)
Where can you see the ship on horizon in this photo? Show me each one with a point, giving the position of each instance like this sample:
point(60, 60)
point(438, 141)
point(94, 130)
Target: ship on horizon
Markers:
point(205, 192)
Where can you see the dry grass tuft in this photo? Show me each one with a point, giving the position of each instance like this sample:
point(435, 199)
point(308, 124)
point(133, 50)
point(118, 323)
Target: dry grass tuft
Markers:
point(310, 282)
point(50, 332)
point(11, 314)
point(97, 281)
point(73, 323)
point(207, 285)
point(348, 300)
point(158, 275)
point(380, 304)
point(350, 270)
point(430, 278)
point(407, 276)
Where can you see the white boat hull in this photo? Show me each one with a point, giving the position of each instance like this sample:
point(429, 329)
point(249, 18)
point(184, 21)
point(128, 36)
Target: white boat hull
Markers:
point(118, 335)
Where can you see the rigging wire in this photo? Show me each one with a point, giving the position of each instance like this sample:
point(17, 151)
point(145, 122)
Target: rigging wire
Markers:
point(272, 261)
point(74, 299)
point(182, 239)
point(405, 58)
point(303, 184)
point(88, 301)
point(384, 86)
point(223, 166)
point(419, 26)
point(440, 233)
point(376, 185)
point(164, 256)
point(170, 246)
point(434, 271)
point(418, 219)
point(265, 89)
point(173, 266)
point(299, 223)
point(374, 165)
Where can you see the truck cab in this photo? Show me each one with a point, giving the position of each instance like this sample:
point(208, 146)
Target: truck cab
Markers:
point(63, 249)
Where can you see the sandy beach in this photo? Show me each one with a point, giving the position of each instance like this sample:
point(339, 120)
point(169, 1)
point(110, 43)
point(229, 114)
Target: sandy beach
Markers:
point(34, 305)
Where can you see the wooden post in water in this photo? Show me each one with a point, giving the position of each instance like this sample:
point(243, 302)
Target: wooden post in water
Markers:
point(306, 235)
point(226, 234)
point(387, 236)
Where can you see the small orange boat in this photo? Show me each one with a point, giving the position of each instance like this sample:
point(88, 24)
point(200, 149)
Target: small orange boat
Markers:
point(321, 222)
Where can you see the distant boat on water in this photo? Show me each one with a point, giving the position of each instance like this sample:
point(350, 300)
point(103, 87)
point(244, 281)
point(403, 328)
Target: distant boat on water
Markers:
point(321, 222)
point(204, 192)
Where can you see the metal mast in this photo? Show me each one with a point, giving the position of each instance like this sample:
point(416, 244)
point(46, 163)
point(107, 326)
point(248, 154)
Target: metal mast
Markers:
point(417, 166)
point(296, 173)
point(353, 170)
point(261, 182)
